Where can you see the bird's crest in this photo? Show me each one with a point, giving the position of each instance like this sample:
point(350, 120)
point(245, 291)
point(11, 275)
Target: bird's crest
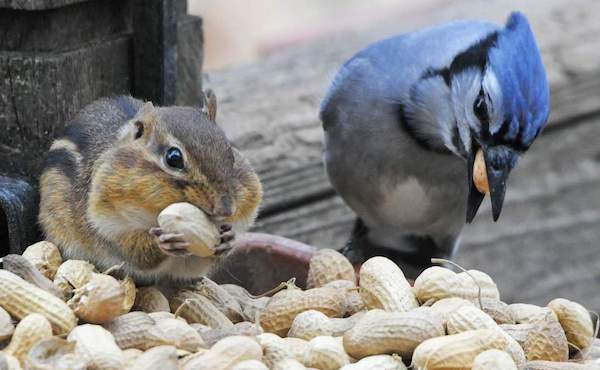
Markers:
point(518, 67)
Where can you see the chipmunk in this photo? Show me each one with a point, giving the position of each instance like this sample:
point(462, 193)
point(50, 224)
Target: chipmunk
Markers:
point(120, 163)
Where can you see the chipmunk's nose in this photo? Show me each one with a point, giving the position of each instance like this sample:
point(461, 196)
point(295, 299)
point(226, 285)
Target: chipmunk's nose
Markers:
point(224, 208)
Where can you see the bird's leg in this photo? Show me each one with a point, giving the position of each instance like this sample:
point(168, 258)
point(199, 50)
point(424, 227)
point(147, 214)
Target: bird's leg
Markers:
point(359, 248)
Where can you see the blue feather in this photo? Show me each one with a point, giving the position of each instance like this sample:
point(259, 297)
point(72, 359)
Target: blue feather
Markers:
point(518, 66)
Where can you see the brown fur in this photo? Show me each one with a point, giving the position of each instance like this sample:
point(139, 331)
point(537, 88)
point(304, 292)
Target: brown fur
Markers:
point(103, 187)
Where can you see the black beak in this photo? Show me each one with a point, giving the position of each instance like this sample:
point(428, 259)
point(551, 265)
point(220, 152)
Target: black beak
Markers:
point(499, 161)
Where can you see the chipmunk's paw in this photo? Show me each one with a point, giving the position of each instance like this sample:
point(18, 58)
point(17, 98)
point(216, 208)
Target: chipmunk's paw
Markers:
point(170, 243)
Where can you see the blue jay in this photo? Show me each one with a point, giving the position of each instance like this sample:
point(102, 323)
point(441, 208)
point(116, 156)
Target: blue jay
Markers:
point(404, 118)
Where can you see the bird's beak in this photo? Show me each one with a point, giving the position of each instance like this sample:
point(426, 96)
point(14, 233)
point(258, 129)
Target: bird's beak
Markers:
point(499, 161)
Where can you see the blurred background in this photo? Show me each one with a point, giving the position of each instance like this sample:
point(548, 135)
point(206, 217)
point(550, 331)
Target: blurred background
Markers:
point(271, 61)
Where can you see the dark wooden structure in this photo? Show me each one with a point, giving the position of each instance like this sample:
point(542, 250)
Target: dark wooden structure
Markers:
point(56, 56)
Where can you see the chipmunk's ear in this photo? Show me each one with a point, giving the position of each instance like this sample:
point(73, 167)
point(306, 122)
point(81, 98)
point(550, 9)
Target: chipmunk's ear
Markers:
point(209, 105)
point(142, 124)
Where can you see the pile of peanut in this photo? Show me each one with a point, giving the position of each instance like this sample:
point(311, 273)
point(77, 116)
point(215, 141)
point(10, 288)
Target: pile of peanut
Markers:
point(66, 315)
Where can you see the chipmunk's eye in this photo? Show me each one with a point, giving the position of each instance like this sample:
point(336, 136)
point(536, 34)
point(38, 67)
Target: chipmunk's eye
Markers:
point(174, 158)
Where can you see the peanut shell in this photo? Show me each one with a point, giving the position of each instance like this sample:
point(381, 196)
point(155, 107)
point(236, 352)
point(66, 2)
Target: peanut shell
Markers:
point(383, 285)
point(45, 256)
point(196, 227)
point(328, 265)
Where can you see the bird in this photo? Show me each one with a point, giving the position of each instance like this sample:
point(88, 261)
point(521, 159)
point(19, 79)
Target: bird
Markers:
point(403, 120)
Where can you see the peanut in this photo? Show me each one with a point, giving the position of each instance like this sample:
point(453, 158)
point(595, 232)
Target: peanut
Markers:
point(518, 332)
point(150, 299)
point(547, 341)
point(275, 349)
point(552, 365)
point(131, 354)
point(278, 315)
point(250, 306)
point(244, 328)
point(23, 268)
point(197, 229)
point(446, 306)
point(457, 351)
point(9, 362)
point(383, 285)
point(29, 331)
point(194, 307)
point(575, 321)
point(326, 353)
point(20, 298)
point(297, 347)
point(156, 358)
point(311, 323)
point(128, 286)
point(289, 364)
point(97, 346)
point(180, 334)
point(136, 330)
point(72, 274)
point(438, 282)
point(469, 318)
point(524, 313)
point(328, 265)
point(353, 302)
point(493, 359)
point(220, 298)
point(480, 179)
point(45, 256)
point(226, 353)
point(100, 300)
point(250, 365)
point(54, 354)
point(379, 362)
point(497, 310)
point(381, 332)
point(6, 325)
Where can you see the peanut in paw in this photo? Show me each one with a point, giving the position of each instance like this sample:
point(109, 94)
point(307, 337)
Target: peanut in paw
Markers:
point(199, 233)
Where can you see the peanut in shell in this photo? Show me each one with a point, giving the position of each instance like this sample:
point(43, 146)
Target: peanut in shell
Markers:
point(100, 300)
point(197, 229)
point(383, 285)
point(20, 298)
point(97, 346)
point(151, 299)
point(29, 331)
point(45, 256)
point(328, 265)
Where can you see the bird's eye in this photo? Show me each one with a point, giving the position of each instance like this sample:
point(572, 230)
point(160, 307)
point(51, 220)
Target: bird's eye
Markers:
point(174, 158)
point(480, 108)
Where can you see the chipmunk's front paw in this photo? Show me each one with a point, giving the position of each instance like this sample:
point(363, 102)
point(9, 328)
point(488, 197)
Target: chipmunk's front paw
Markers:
point(170, 243)
point(227, 235)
